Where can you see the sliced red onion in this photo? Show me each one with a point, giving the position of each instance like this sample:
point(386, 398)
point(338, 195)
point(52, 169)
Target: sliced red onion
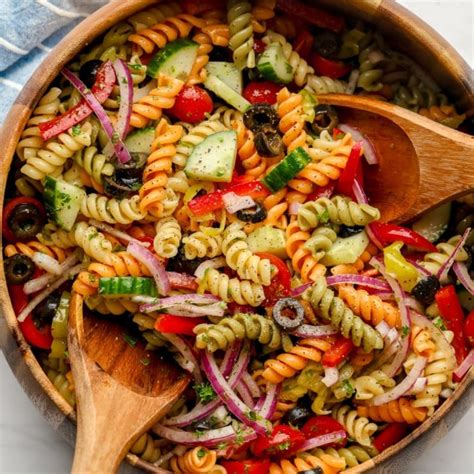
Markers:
point(359, 193)
point(245, 394)
point(232, 401)
point(444, 269)
point(383, 328)
point(125, 81)
point(384, 295)
point(416, 264)
point(300, 289)
point(352, 82)
point(308, 330)
point(369, 229)
point(120, 149)
point(322, 440)
point(462, 273)
point(187, 353)
point(233, 202)
point(362, 280)
point(39, 283)
point(404, 386)
point(293, 208)
point(236, 370)
point(418, 386)
point(413, 303)
point(331, 376)
point(192, 298)
point(193, 311)
point(267, 407)
point(392, 336)
point(155, 267)
point(213, 263)
point(251, 384)
point(376, 56)
point(207, 439)
point(117, 233)
point(47, 263)
point(357, 136)
point(45, 293)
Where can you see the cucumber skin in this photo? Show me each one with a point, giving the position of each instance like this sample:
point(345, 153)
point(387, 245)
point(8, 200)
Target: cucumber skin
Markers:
point(267, 65)
point(286, 170)
point(117, 287)
point(216, 85)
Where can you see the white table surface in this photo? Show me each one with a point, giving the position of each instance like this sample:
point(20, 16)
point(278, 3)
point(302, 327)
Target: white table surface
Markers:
point(29, 445)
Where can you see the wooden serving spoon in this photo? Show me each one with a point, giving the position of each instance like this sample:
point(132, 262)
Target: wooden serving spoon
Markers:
point(121, 389)
point(421, 163)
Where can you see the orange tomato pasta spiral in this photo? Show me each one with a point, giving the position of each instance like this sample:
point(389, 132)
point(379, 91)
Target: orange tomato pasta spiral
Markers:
point(442, 113)
point(302, 259)
point(370, 307)
point(360, 359)
point(290, 111)
point(159, 165)
point(161, 97)
point(421, 342)
point(262, 10)
point(284, 25)
point(328, 464)
point(30, 248)
point(289, 363)
point(157, 36)
point(195, 461)
point(87, 282)
point(110, 306)
point(399, 410)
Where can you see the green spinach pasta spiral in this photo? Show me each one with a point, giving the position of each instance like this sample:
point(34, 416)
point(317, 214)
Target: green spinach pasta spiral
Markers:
point(239, 16)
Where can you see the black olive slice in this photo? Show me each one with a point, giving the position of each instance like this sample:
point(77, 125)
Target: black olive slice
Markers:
point(425, 290)
point(298, 415)
point(19, 269)
point(253, 214)
point(325, 119)
point(327, 44)
point(260, 115)
point(88, 71)
point(268, 143)
point(346, 231)
point(46, 310)
point(285, 320)
point(314, 470)
point(25, 221)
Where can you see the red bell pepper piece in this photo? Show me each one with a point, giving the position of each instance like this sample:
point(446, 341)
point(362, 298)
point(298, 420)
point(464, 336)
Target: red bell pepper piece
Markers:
point(311, 14)
point(469, 328)
point(36, 335)
point(322, 191)
point(321, 425)
point(104, 83)
point(10, 209)
point(283, 439)
point(303, 44)
point(348, 175)
point(258, 46)
point(213, 201)
point(280, 287)
point(336, 133)
point(247, 466)
point(390, 435)
point(338, 352)
point(328, 67)
point(388, 233)
point(453, 318)
point(171, 324)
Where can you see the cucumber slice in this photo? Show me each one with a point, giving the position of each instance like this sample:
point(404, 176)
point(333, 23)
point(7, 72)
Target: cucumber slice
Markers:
point(286, 170)
point(273, 65)
point(221, 89)
point(434, 224)
point(214, 158)
point(176, 59)
point(62, 201)
point(227, 73)
point(346, 250)
point(118, 287)
point(268, 239)
point(140, 140)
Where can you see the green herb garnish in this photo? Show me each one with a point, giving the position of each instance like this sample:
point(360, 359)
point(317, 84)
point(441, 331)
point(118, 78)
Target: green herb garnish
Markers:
point(131, 341)
point(205, 392)
point(76, 130)
point(405, 331)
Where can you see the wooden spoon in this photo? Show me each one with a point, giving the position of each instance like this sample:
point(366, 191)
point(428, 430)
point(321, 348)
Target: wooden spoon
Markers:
point(421, 163)
point(121, 389)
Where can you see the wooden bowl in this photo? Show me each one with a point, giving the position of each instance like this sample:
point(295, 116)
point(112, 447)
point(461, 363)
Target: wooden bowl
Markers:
point(421, 42)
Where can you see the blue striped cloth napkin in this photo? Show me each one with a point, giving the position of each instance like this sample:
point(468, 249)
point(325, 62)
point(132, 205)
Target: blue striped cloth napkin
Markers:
point(29, 29)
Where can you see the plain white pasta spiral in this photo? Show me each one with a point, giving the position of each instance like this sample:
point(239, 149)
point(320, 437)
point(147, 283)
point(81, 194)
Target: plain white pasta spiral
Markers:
point(111, 210)
point(94, 163)
point(358, 427)
point(325, 85)
point(200, 245)
point(168, 237)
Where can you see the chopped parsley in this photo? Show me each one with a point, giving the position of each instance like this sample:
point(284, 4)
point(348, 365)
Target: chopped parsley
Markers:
point(348, 388)
point(198, 433)
point(201, 453)
point(135, 67)
point(145, 361)
point(76, 130)
point(438, 322)
point(205, 392)
point(131, 341)
point(251, 415)
point(324, 217)
point(66, 354)
point(283, 446)
point(221, 445)
point(239, 436)
point(405, 331)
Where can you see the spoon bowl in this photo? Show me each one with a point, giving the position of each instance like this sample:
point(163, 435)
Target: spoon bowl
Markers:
point(421, 163)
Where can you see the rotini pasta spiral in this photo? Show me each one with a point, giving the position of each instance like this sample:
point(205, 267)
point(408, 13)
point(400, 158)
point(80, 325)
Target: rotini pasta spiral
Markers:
point(301, 69)
point(238, 256)
point(277, 204)
point(146, 448)
point(111, 210)
point(240, 326)
point(62, 383)
point(325, 85)
point(337, 210)
point(158, 168)
point(50, 158)
point(232, 289)
point(370, 307)
point(151, 106)
point(94, 163)
point(445, 114)
point(195, 461)
point(154, 15)
point(433, 261)
point(158, 35)
point(352, 455)
point(368, 386)
point(30, 248)
point(333, 309)
point(421, 342)
point(168, 237)
point(116, 306)
point(200, 244)
point(328, 464)
point(290, 111)
point(400, 410)
point(358, 427)
point(289, 363)
point(239, 17)
point(226, 115)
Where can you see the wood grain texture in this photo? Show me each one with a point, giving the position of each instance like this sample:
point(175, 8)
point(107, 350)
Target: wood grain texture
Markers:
point(422, 163)
point(422, 43)
point(118, 396)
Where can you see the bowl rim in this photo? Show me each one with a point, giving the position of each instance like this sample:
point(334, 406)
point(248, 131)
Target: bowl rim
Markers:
point(73, 43)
